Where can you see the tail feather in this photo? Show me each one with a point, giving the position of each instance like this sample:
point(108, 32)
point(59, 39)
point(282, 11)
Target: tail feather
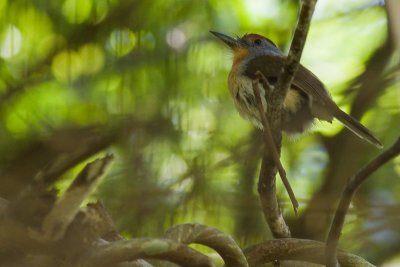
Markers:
point(356, 127)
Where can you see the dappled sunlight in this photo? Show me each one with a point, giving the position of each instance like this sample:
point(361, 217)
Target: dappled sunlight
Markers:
point(150, 74)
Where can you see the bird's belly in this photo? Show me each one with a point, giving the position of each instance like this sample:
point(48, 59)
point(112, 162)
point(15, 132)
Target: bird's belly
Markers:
point(241, 90)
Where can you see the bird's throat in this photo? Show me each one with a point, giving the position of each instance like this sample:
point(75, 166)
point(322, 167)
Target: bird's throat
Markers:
point(238, 55)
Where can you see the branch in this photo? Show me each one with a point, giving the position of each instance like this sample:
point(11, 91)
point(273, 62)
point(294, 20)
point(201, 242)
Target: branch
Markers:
point(46, 160)
point(149, 248)
point(298, 250)
point(211, 237)
point(296, 49)
point(269, 141)
point(65, 209)
point(97, 216)
point(94, 224)
point(316, 218)
point(266, 182)
point(269, 202)
point(351, 187)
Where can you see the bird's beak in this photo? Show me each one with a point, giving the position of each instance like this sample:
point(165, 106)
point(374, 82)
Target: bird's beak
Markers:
point(231, 42)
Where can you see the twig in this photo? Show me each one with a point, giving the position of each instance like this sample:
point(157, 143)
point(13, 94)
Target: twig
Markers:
point(66, 207)
point(211, 237)
point(269, 142)
point(266, 182)
point(351, 187)
point(270, 163)
point(298, 250)
point(296, 49)
point(149, 248)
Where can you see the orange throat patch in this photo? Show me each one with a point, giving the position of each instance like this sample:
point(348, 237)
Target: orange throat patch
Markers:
point(239, 54)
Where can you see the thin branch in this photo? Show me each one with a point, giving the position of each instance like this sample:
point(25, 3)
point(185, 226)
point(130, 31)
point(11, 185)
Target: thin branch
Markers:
point(66, 207)
point(351, 187)
point(46, 160)
point(149, 248)
point(269, 141)
point(211, 237)
point(315, 220)
point(298, 250)
point(296, 49)
point(266, 182)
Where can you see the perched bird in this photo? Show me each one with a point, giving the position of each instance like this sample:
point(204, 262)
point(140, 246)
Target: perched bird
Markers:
point(306, 99)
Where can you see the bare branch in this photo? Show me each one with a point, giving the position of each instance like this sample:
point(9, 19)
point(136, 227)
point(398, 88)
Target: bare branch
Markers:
point(298, 250)
point(368, 87)
point(296, 49)
point(266, 182)
point(65, 209)
point(269, 141)
point(149, 248)
point(211, 237)
point(48, 159)
point(351, 187)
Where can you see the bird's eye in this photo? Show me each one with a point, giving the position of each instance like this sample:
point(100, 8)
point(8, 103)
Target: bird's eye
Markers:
point(257, 41)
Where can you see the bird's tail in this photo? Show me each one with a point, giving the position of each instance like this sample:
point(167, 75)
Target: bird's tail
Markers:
point(356, 127)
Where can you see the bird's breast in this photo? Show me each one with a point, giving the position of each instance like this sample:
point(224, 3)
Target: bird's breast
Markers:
point(297, 116)
point(241, 90)
point(240, 87)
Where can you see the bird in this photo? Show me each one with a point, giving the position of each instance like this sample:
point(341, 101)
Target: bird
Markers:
point(306, 99)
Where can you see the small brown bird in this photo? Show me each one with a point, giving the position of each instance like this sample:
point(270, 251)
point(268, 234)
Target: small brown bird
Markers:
point(306, 99)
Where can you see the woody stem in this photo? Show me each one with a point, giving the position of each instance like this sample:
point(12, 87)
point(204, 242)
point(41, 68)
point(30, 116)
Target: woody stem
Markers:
point(266, 183)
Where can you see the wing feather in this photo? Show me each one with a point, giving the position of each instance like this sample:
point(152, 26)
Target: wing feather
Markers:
point(304, 79)
point(323, 106)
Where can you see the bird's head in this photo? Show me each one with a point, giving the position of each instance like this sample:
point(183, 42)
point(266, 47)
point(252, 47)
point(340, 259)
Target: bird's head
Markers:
point(249, 45)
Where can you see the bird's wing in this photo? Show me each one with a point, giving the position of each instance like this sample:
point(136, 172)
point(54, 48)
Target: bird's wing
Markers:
point(323, 106)
point(305, 80)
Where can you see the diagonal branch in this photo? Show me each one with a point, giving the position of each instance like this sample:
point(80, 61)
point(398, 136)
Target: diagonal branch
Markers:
point(66, 207)
point(270, 162)
point(352, 185)
point(269, 141)
point(315, 220)
point(296, 49)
